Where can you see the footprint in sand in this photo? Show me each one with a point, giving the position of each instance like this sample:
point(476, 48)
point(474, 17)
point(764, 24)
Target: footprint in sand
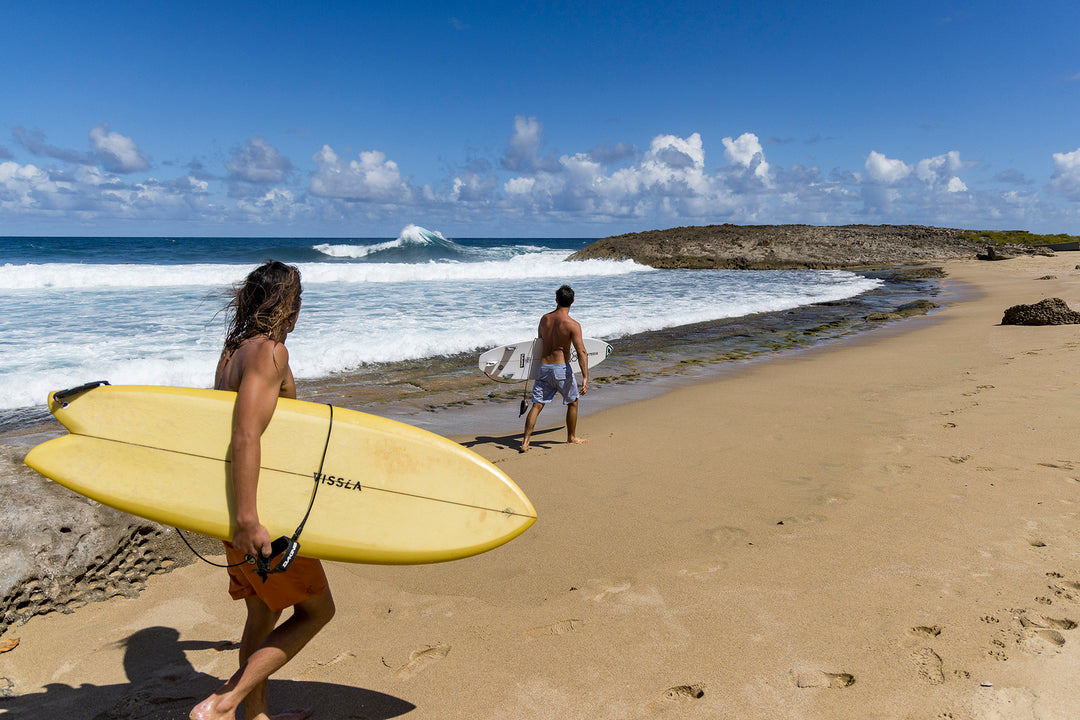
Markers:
point(925, 631)
point(819, 679)
point(835, 498)
point(601, 590)
point(1066, 590)
point(1059, 465)
point(320, 664)
point(1057, 623)
point(676, 696)
point(560, 627)
point(930, 666)
point(1042, 642)
point(1040, 634)
point(727, 536)
point(420, 660)
point(703, 569)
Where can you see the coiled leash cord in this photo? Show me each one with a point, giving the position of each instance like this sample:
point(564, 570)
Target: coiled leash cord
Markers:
point(287, 547)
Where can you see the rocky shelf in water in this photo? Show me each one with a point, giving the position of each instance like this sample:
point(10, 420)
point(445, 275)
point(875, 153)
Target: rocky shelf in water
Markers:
point(781, 247)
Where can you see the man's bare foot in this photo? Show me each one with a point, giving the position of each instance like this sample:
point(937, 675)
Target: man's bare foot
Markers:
point(577, 441)
point(205, 711)
point(524, 448)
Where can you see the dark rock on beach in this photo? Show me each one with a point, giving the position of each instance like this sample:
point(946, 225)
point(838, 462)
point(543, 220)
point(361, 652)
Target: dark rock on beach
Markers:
point(62, 551)
point(1008, 252)
point(1051, 311)
point(919, 307)
point(777, 247)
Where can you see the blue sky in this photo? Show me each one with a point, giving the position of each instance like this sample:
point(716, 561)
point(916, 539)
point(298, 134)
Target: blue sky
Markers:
point(540, 119)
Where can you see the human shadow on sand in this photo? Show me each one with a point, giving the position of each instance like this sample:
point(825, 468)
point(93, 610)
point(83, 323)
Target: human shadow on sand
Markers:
point(513, 441)
point(163, 685)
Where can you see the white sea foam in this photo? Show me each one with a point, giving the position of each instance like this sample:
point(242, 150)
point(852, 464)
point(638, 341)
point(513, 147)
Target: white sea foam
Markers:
point(69, 323)
point(67, 276)
point(354, 251)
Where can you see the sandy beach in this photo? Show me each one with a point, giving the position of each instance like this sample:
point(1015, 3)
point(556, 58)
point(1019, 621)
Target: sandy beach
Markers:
point(885, 527)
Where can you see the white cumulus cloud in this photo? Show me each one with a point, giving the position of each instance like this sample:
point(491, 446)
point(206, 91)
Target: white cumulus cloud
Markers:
point(885, 170)
point(669, 179)
point(118, 153)
point(20, 184)
point(1066, 177)
point(746, 151)
point(956, 185)
point(940, 171)
point(275, 205)
point(372, 178)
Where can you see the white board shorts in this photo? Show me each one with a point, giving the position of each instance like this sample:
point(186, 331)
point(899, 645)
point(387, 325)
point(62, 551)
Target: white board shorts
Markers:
point(551, 379)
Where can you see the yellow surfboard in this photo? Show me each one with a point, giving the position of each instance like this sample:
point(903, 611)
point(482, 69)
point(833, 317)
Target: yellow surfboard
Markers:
point(387, 493)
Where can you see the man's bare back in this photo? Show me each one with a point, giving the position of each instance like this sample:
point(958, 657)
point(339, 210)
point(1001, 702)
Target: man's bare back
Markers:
point(558, 331)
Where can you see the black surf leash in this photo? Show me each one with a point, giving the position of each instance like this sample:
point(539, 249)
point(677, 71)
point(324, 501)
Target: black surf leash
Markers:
point(524, 400)
point(285, 546)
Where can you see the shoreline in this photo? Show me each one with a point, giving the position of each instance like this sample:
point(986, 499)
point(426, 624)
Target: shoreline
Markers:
point(449, 396)
point(882, 527)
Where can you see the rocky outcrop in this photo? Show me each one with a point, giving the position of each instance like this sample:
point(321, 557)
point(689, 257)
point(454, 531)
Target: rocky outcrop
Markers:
point(918, 307)
point(1051, 311)
point(770, 247)
point(62, 551)
point(1009, 252)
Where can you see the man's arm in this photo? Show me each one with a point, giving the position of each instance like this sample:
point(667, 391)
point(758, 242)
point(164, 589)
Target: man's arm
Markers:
point(582, 356)
point(256, 399)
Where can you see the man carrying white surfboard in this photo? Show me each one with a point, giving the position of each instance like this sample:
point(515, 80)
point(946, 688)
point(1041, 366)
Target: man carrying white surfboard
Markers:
point(559, 333)
point(255, 364)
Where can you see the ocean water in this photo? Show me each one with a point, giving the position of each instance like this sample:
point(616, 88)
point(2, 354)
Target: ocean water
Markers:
point(148, 310)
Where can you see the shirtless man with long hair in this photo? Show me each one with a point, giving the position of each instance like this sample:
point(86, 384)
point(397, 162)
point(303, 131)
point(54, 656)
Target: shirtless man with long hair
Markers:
point(255, 364)
point(560, 333)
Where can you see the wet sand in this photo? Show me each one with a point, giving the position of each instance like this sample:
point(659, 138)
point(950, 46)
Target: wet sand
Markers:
point(884, 527)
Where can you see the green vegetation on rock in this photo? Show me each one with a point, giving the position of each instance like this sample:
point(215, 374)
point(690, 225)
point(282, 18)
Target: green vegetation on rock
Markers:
point(1016, 237)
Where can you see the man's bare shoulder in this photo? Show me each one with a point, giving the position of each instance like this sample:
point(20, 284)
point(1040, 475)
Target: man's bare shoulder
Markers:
point(258, 355)
point(261, 349)
point(268, 354)
point(565, 323)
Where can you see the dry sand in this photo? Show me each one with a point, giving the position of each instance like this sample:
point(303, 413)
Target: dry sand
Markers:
point(883, 528)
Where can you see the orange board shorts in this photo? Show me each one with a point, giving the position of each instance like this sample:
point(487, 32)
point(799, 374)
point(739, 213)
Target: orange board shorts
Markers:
point(304, 579)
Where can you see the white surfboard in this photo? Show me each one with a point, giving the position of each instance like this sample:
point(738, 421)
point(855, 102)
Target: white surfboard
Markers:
point(519, 362)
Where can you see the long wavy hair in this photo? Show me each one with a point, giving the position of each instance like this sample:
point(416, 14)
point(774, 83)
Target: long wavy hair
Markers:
point(265, 303)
